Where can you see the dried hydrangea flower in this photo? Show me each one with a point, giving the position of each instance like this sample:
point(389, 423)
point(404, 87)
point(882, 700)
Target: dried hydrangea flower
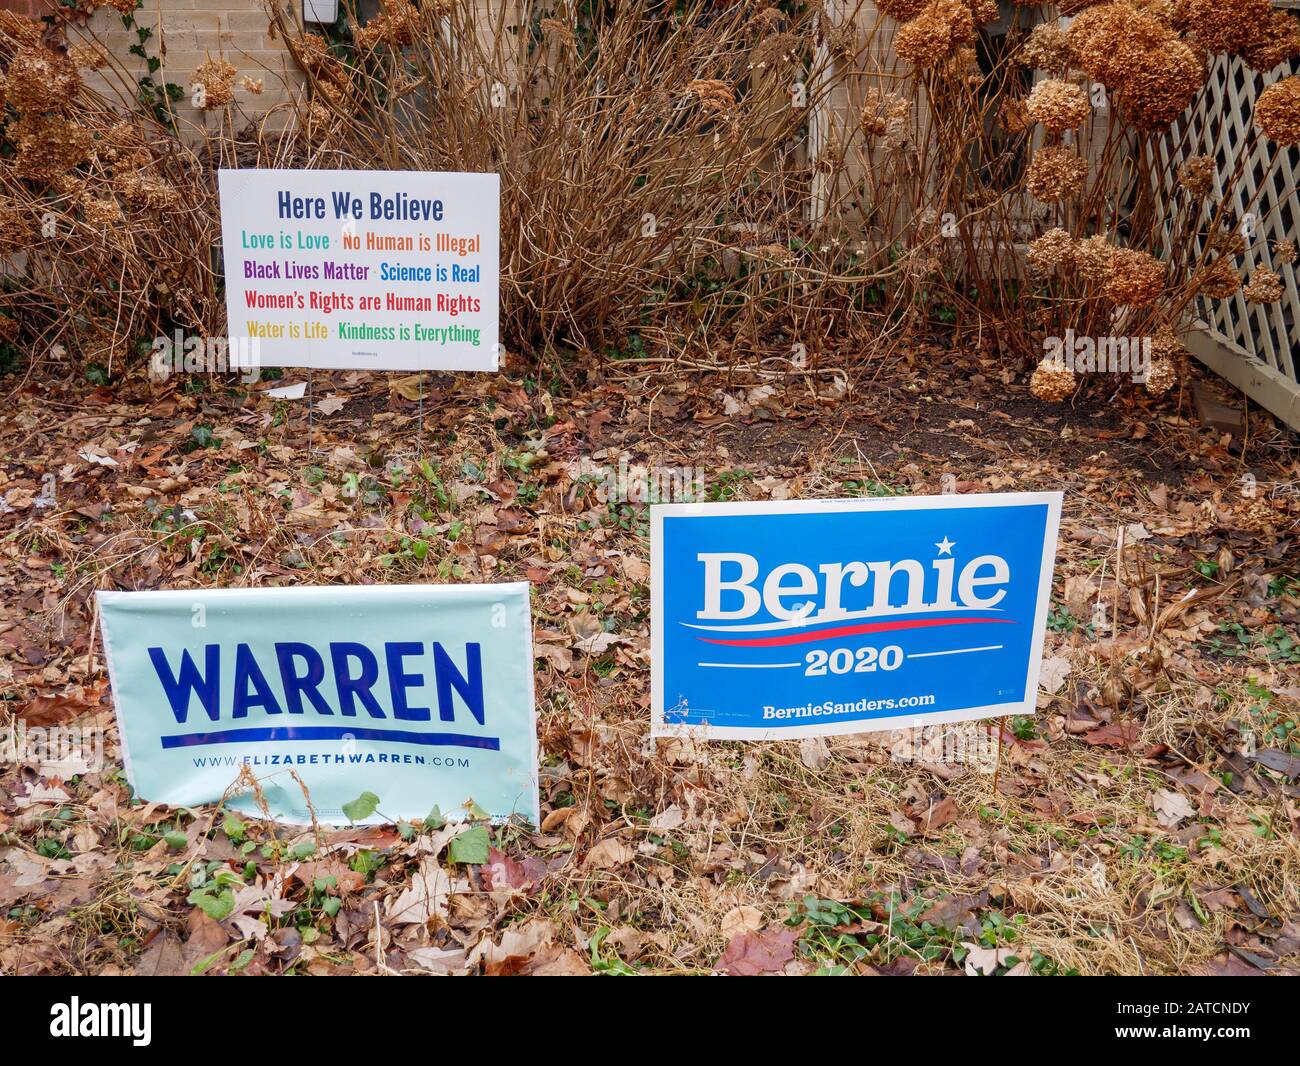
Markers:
point(41, 80)
point(714, 97)
point(1196, 174)
point(883, 112)
point(1225, 27)
point(69, 184)
point(901, 10)
point(133, 179)
point(1058, 105)
point(968, 63)
point(777, 254)
point(1094, 259)
point(1277, 111)
point(17, 230)
point(1140, 57)
point(1264, 287)
point(150, 194)
point(22, 29)
point(1228, 241)
point(1050, 252)
point(313, 52)
point(123, 135)
point(87, 55)
point(256, 86)
point(561, 30)
point(936, 33)
point(1136, 278)
point(1155, 96)
point(1052, 381)
point(1284, 251)
point(1219, 280)
point(99, 212)
point(1166, 345)
point(1013, 116)
point(1056, 173)
point(1249, 28)
point(1276, 41)
point(1046, 48)
point(775, 51)
point(1162, 375)
point(1168, 11)
point(337, 93)
point(217, 77)
point(319, 120)
point(49, 146)
point(394, 25)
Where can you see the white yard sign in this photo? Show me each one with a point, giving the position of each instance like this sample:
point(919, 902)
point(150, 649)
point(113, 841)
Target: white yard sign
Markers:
point(362, 269)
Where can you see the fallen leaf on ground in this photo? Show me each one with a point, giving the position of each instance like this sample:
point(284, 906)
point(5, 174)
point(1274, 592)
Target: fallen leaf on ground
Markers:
point(1171, 807)
point(741, 920)
point(982, 961)
point(426, 896)
point(1055, 671)
point(609, 853)
point(749, 954)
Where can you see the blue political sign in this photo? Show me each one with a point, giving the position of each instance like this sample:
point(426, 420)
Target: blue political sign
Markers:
point(419, 694)
point(818, 617)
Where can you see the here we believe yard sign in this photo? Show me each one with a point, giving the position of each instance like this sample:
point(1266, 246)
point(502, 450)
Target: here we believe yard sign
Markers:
point(362, 269)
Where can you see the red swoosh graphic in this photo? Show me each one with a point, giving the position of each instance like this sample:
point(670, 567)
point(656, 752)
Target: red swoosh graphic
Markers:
point(848, 631)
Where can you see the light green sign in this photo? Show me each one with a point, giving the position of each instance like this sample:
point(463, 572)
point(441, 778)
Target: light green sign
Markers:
point(421, 695)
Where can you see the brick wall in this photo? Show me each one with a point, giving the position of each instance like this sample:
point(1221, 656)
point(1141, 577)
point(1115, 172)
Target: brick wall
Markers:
point(188, 32)
point(30, 8)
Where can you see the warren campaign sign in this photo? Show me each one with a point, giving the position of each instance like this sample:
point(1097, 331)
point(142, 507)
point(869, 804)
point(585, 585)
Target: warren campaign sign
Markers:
point(361, 269)
point(419, 694)
point(778, 620)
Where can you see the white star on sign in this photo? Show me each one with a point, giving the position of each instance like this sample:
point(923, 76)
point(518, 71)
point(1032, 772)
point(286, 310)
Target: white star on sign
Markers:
point(945, 546)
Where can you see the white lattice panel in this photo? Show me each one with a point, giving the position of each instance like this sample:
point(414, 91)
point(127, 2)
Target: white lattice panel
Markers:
point(1263, 337)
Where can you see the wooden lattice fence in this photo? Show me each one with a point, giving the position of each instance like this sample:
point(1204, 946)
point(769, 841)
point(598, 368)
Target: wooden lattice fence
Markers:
point(1254, 346)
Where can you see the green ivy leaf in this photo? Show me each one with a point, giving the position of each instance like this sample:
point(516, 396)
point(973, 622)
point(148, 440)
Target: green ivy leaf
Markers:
point(304, 849)
point(362, 807)
point(217, 906)
point(470, 847)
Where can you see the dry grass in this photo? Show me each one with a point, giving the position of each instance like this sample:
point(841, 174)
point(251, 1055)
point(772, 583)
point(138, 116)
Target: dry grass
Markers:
point(1067, 852)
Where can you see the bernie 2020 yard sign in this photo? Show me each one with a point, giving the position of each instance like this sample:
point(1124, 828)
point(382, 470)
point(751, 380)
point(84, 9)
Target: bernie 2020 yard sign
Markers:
point(362, 269)
point(782, 620)
point(419, 694)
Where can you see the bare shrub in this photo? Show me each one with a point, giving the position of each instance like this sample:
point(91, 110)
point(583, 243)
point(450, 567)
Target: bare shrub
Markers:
point(109, 219)
point(699, 184)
